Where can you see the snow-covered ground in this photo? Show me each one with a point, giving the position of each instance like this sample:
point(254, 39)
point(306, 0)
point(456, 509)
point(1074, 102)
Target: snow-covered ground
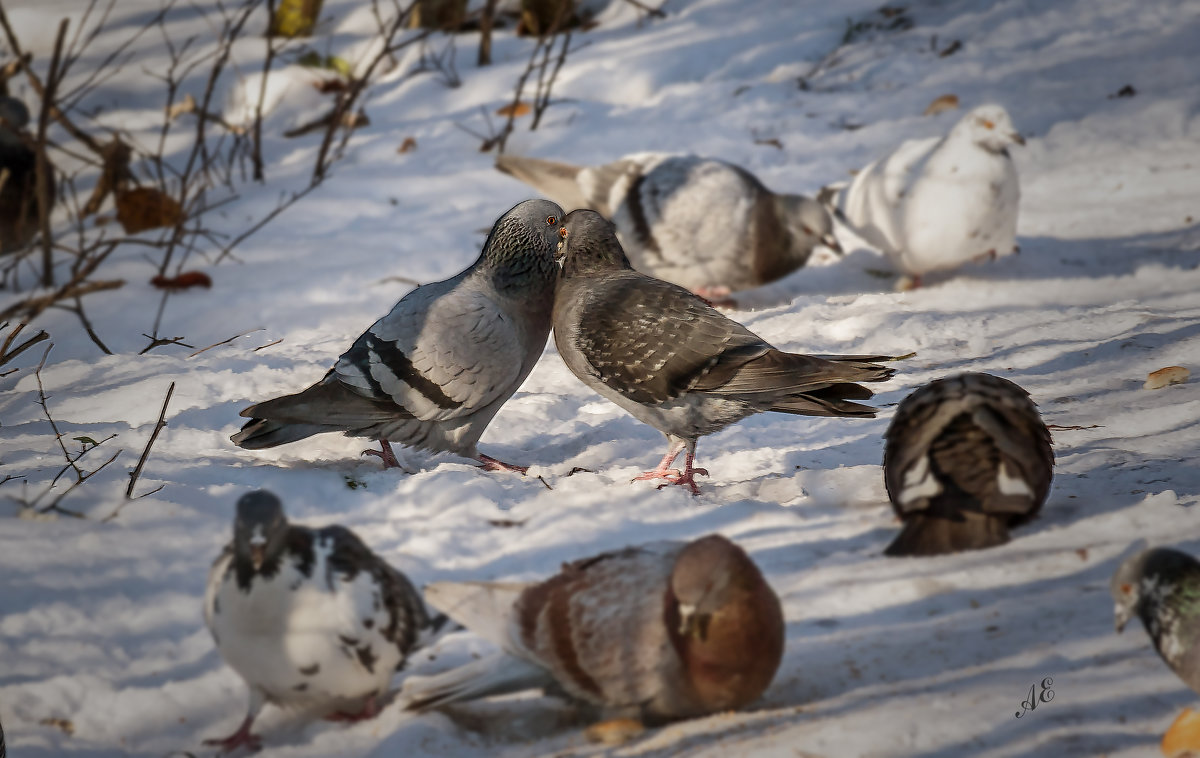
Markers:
point(100, 623)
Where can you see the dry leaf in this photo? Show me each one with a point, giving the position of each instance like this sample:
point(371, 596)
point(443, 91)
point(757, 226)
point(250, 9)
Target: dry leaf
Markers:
point(186, 105)
point(615, 731)
point(326, 86)
point(407, 146)
point(519, 109)
point(64, 724)
point(147, 208)
point(1166, 376)
point(186, 280)
point(1183, 738)
point(943, 103)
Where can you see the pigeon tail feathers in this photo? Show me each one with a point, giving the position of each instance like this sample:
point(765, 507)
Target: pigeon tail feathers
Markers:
point(497, 674)
point(931, 535)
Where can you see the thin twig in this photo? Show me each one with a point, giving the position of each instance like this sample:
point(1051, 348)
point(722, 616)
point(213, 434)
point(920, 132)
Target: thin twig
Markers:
point(226, 341)
point(137, 471)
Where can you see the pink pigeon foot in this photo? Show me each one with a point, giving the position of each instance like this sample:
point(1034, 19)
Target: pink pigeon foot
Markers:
point(242, 737)
point(664, 470)
point(717, 297)
point(369, 710)
point(687, 478)
point(488, 463)
point(990, 255)
point(386, 455)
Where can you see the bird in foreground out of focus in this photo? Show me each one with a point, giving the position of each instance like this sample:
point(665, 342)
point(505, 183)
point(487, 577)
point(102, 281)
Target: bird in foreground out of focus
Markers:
point(934, 204)
point(672, 361)
point(19, 210)
point(658, 632)
point(1161, 587)
point(967, 458)
point(310, 619)
point(433, 372)
point(701, 223)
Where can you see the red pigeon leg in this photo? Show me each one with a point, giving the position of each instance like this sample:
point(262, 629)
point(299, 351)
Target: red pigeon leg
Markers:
point(239, 738)
point(664, 470)
point(386, 455)
point(491, 464)
point(369, 710)
point(687, 478)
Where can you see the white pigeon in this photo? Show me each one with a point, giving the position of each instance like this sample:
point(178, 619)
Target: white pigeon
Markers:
point(935, 203)
point(701, 223)
point(311, 619)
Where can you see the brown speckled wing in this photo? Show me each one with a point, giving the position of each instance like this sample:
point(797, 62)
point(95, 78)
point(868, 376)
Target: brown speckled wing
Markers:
point(598, 626)
point(652, 341)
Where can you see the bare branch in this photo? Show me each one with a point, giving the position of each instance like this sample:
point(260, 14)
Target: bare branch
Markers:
point(137, 471)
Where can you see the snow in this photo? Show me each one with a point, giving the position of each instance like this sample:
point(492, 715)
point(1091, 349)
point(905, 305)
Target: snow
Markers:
point(100, 623)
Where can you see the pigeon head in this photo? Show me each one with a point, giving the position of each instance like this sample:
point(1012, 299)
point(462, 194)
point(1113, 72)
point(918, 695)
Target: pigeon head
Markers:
point(521, 244)
point(808, 222)
point(990, 127)
point(707, 576)
point(259, 529)
point(1143, 581)
point(590, 244)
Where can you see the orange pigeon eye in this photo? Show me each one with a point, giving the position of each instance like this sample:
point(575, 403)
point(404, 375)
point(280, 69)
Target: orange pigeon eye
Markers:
point(988, 124)
point(550, 220)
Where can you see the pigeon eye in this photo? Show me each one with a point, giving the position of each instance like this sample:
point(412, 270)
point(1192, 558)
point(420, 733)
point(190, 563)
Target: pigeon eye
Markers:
point(551, 220)
point(987, 124)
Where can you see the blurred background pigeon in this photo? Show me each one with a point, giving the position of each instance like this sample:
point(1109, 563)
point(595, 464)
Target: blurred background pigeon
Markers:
point(433, 372)
point(967, 458)
point(19, 222)
point(934, 204)
point(701, 223)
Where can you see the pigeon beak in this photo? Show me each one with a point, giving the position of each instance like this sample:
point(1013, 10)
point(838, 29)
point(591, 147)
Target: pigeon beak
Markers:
point(1016, 137)
point(831, 242)
point(258, 550)
point(560, 252)
point(692, 624)
point(1122, 613)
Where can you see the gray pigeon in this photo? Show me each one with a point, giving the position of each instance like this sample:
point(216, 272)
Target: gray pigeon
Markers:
point(309, 618)
point(19, 222)
point(434, 371)
point(657, 632)
point(967, 457)
point(675, 363)
point(701, 223)
point(1161, 586)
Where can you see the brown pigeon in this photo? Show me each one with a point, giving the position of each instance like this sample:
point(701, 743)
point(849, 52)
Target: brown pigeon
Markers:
point(673, 361)
point(967, 457)
point(663, 631)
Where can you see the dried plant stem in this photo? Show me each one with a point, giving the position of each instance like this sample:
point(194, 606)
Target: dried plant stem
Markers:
point(137, 471)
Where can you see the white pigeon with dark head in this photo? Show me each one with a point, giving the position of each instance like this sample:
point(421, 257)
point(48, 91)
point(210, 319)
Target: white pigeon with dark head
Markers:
point(704, 224)
point(433, 372)
point(672, 361)
point(934, 204)
point(311, 619)
point(967, 458)
point(19, 213)
point(662, 631)
point(1161, 586)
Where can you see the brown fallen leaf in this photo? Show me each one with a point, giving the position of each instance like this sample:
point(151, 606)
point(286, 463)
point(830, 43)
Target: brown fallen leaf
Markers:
point(144, 208)
point(943, 103)
point(1166, 376)
point(186, 280)
point(1082, 553)
point(65, 725)
point(514, 109)
point(407, 146)
point(1183, 736)
point(951, 49)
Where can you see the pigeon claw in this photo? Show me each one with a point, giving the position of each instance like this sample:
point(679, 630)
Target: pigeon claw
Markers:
point(241, 738)
point(385, 454)
point(687, 479)
point(488, 463)
point(658, 473)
